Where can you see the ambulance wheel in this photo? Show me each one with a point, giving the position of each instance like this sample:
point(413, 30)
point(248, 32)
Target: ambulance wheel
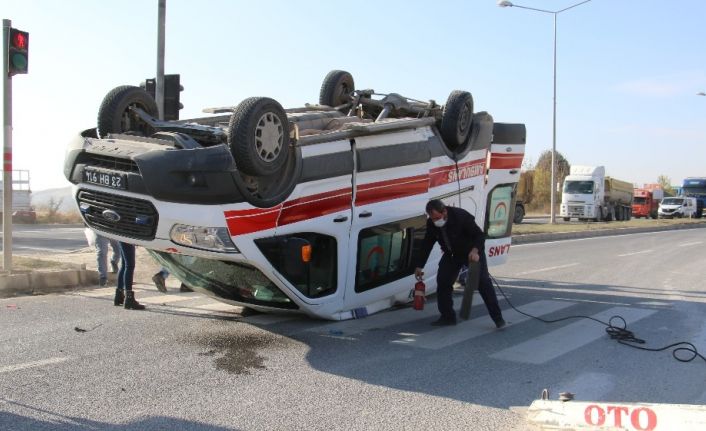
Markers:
point(337, 88)
point(114, 115)
point(519, 215)
point(258, 136)
point(457, 118)
point(266, 191)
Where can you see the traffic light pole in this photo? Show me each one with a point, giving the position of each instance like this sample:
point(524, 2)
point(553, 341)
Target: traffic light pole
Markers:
point(159, 90)
point(7, 150)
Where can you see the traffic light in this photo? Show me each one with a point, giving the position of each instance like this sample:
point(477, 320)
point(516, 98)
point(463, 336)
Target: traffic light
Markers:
point(18, 52)
point(150, 86)
point(172, 89)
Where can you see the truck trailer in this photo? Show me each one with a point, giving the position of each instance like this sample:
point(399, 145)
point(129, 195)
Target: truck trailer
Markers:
point(588, 194)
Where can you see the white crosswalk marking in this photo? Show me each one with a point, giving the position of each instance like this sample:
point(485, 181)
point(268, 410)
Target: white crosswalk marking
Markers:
point(164, 299)
point(384, 319)
point(220, 307)
point(546, 347)
point(466, 330)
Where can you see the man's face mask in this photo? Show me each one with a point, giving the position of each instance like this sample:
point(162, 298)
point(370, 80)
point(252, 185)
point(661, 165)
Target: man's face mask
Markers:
point(439, 223)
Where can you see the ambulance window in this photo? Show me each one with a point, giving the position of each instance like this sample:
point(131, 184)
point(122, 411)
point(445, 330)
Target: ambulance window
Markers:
point(315, 278)
point(385, 252)
point(498, 220)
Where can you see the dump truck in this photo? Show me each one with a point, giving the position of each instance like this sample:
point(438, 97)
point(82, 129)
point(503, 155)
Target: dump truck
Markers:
point(588, 194)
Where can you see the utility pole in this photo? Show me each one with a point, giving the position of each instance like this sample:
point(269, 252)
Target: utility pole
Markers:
point(7, 150)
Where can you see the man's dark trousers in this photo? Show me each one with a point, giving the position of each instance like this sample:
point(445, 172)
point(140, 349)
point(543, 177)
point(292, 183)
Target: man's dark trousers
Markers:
point(445, 278)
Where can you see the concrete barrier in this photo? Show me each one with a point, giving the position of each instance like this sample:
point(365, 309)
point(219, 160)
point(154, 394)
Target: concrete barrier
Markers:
point(22, 283)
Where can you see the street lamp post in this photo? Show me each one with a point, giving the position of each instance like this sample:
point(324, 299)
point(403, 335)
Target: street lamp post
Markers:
point(552, 188)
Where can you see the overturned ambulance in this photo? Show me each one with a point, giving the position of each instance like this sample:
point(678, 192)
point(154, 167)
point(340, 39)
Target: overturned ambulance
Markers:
point(317, 210)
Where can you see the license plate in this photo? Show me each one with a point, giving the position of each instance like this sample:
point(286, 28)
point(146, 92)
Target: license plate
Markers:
point(114, 180)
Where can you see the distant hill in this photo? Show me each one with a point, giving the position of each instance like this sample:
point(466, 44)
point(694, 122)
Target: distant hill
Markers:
point(63, 194)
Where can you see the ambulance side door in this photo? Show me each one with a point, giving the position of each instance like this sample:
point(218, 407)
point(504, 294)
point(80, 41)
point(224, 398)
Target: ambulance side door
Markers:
point(391, 183)
point(507, 151)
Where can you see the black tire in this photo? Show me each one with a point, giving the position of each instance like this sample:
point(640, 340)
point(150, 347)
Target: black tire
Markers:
point(457, 118)
point(337, 88)
point(268, 191)
point(567, 218)
point(258, 136)
point(598, 215)
point(519, 214)
point(114, 115)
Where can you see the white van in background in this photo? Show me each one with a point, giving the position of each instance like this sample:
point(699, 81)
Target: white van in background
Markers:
point(677, 207)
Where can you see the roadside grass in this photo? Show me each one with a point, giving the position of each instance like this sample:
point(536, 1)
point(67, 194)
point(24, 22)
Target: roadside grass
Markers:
point(23, 263)
point(45, 216)
point(525, 228)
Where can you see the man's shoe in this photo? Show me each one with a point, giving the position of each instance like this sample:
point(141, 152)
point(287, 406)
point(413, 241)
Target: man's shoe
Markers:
point(113, 267)
point(443, 322)
point(185, 288)
point(500, 323)
point(159, 282)
point(102, 283)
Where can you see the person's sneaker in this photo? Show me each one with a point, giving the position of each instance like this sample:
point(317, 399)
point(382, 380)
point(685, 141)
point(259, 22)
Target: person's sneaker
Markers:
point(443, 322)
point(185, 288)
point(113, 267)
point(159, 282)
point(500, 323)
point(102, 283)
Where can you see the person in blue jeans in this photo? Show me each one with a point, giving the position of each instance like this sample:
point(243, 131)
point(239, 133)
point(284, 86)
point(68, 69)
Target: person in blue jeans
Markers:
point(102, 245)
point(124, 294)
point(160, 278)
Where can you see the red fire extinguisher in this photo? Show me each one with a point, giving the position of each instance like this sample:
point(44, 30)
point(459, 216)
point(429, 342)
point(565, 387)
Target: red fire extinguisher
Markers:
point(419, 289)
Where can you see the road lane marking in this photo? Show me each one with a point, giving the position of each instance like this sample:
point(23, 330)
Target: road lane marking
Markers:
point(550, 268)
point(689, 244)
point(466, 330)
point(17, 367)
point(551, 345)
point(635, 252)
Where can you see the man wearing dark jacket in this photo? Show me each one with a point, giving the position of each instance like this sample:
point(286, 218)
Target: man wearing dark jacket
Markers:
point(461, 240)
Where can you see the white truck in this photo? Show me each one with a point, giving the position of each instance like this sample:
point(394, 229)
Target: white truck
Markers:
point(588, 194)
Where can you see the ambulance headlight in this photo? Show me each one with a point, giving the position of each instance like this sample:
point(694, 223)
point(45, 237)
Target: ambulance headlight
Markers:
point(204, 238)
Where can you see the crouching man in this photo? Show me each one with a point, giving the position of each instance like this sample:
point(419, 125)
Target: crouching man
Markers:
point(461, 241)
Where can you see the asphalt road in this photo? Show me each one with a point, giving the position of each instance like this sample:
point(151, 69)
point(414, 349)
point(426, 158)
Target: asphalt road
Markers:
point(42, 238)
point(191, 363)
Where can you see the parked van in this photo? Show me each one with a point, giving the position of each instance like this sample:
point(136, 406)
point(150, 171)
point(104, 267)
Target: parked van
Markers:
point(677, 207)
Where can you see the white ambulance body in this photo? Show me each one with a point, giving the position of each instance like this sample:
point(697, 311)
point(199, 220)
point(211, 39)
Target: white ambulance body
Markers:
point(332, 233)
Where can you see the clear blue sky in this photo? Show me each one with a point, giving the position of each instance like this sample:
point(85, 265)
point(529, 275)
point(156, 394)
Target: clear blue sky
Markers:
point(627, 77)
